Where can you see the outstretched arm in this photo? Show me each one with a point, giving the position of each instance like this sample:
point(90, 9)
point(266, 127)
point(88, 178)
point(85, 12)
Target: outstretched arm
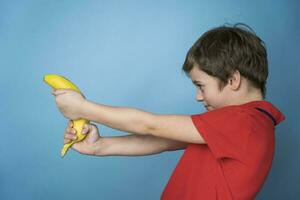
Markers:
point(128, 145)
point(174, 127)
point(135, 145)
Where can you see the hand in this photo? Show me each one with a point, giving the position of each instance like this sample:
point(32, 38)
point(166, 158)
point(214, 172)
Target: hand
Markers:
point(69, 102)
point(87, 146)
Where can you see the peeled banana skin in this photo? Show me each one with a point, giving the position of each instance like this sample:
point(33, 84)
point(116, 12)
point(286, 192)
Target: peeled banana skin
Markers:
point(60, 82)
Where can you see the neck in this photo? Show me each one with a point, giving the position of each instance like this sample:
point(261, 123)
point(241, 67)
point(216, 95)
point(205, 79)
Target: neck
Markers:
point(246, 97)
point(255, 95)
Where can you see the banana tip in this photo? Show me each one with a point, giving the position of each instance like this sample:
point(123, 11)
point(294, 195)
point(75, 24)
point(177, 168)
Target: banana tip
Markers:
point(46, 78)
point(62, 155)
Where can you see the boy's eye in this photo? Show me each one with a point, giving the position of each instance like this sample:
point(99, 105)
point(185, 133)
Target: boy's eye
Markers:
point(200, 86)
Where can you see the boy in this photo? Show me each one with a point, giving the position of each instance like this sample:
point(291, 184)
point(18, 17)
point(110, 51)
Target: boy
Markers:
point(228, 149)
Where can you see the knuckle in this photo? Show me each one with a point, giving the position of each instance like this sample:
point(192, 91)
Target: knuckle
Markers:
point(68, 136)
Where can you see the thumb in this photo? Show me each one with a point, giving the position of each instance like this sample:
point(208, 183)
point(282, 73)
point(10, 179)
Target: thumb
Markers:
point(89, 129)
point(85, 129)
point(92, 131)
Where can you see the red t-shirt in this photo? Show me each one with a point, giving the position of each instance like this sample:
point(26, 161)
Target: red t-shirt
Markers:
point(237, 156)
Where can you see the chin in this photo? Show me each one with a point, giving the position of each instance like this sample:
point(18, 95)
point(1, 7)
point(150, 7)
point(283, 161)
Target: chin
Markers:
point(208, 108)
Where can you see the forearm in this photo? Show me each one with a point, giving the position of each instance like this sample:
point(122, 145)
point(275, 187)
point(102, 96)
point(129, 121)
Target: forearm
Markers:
point(121, 118)
point(174, 127)
point(135, 145)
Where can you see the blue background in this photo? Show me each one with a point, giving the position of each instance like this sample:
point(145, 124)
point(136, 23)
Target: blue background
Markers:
point(125, 53)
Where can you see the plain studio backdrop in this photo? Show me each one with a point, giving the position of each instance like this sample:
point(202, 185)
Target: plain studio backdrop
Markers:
point(125, 53)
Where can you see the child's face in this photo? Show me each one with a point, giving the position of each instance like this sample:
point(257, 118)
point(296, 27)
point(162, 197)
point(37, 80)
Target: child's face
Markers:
point(208, 90)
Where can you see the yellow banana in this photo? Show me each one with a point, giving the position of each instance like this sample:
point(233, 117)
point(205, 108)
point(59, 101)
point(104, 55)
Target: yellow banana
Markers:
point(60, 82)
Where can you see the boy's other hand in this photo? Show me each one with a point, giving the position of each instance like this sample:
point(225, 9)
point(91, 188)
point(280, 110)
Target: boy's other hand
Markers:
point(87, 146)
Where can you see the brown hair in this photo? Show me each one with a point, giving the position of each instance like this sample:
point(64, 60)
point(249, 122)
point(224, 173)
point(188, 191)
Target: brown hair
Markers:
point(223, 50)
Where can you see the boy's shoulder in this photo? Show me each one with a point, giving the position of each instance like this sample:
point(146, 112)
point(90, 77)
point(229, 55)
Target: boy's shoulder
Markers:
point(227, 116)
point(243, 111)
point(250, 110)
point(247, 106)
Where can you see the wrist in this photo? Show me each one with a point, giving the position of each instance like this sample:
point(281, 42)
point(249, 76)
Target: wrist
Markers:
point(83, 111)
point(100, 147)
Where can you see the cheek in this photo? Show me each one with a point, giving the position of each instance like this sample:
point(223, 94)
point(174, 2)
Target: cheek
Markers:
point(208, 97)
point(211, 97)
point(208, 94)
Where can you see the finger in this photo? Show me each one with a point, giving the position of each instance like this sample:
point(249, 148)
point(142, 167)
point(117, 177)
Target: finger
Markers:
point(70, 131)
point(66, 141)
point(58, 92)
point(70, 136)
point(70, 124)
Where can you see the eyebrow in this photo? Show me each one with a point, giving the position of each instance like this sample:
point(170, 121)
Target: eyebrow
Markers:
point(195, 82)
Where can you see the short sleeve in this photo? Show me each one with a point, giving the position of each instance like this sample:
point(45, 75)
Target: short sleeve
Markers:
point(225, 131)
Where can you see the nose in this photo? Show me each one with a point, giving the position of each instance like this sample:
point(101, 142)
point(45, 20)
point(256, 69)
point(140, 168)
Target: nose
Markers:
point(199, 96)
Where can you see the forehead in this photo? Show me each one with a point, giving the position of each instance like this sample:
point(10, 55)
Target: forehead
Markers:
point(197, 75)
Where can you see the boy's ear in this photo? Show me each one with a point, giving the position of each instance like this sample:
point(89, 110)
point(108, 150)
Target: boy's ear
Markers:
point(234, 81)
